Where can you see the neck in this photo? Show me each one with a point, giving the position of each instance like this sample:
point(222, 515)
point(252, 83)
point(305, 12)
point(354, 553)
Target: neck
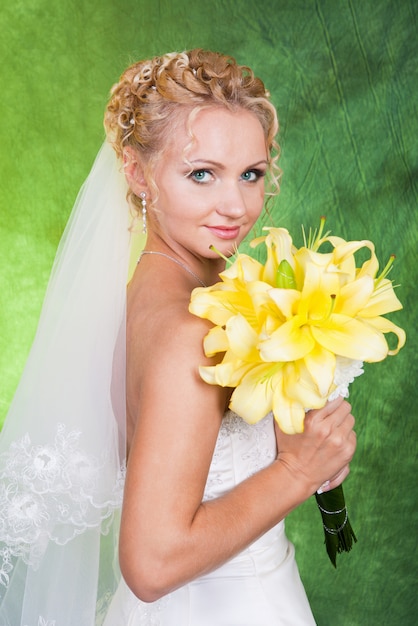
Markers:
point(174, 260)
point(205, 270)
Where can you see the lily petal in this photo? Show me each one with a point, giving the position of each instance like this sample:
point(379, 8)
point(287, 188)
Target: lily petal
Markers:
point(369, 267)
point(289, 415)
point(300, 386)
point(228, 373)
point(279, 247)
point(383, 300)
point(242, 338)
point(354, 296)
point(346, 249)
point(252, 399)
point(244, 268)
point(386, 326)
point(321, 366)
point(351, 338)
point(215, 341)
point(289, 342)
point(286, 300)
point(218, 305)
point(262, 303)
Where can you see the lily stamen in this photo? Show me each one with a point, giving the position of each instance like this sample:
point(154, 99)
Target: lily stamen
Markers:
point(324, 320)
point(218, 252)
point(386, 269)
point(333, 297)
point(315, 237)
point(322, 221)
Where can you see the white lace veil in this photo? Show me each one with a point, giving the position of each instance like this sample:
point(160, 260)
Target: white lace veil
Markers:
point(62, 448)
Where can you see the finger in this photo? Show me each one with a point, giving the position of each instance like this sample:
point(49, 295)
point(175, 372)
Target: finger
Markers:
point(335, 481)
point(333, 409)
point(327, 409)
point(340, 477)
point(341, 415)
point(332, 405)
point(346, 426)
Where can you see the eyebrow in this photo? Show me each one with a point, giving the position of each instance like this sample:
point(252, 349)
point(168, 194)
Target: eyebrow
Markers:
point(221, 166)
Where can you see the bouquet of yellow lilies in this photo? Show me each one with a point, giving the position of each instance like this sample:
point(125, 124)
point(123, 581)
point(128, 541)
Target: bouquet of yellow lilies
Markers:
point(295, 331)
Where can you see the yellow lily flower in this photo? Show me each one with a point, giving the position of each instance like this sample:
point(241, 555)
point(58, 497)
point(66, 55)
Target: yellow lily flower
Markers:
point(281, 325)
point(279, 247)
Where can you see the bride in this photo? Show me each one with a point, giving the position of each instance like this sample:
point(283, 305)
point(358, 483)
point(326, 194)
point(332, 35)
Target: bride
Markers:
point(202, 540)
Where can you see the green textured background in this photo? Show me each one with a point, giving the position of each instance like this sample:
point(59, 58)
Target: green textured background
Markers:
point(343, 75)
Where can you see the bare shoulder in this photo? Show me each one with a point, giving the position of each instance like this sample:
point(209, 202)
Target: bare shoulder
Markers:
point(165, 326)
point(164, 352)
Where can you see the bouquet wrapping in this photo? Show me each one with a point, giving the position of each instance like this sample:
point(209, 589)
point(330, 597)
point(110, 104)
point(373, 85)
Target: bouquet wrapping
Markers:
point(294, 332)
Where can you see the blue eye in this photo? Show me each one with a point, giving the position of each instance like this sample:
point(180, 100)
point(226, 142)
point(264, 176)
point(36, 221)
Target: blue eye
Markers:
point(252, 176)
point(200, 176)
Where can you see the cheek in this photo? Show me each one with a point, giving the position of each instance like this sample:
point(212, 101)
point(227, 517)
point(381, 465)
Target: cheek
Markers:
point(258, 205)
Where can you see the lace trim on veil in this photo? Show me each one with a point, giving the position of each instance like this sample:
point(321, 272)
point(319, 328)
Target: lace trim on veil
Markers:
point(49, 492)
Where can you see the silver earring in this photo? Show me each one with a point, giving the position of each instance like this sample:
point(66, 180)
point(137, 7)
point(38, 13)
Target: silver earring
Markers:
point(143, 197)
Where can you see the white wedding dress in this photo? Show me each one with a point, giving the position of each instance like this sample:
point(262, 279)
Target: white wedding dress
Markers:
point(260, 586)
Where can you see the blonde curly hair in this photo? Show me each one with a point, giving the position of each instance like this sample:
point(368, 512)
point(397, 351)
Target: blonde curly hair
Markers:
point(144, 104)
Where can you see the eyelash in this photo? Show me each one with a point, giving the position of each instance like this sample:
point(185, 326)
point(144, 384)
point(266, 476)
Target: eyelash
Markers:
point(258, 174)
point(193, 175)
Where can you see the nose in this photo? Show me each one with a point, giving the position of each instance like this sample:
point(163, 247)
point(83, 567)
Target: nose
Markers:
point(232, 203)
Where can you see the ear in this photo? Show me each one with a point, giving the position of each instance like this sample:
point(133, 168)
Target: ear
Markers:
point(134, 171)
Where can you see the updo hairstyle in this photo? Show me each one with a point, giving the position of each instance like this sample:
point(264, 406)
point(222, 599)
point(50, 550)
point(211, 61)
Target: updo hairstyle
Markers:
point(144, 104)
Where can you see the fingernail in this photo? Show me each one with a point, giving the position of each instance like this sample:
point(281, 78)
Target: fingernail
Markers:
point(323, 487)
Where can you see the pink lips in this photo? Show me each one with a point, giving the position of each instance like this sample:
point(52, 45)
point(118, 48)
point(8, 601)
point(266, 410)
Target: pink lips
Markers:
point(225, 232)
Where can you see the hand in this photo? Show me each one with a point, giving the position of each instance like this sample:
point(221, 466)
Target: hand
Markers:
point(320, 455)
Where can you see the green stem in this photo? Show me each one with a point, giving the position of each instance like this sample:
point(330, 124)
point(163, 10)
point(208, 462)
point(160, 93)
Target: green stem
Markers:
point(339, 535)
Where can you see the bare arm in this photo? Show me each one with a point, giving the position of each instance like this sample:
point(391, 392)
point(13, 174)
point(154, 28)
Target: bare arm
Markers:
point(168, 536)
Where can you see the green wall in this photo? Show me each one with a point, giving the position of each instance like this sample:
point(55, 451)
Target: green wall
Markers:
point(343, 74)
